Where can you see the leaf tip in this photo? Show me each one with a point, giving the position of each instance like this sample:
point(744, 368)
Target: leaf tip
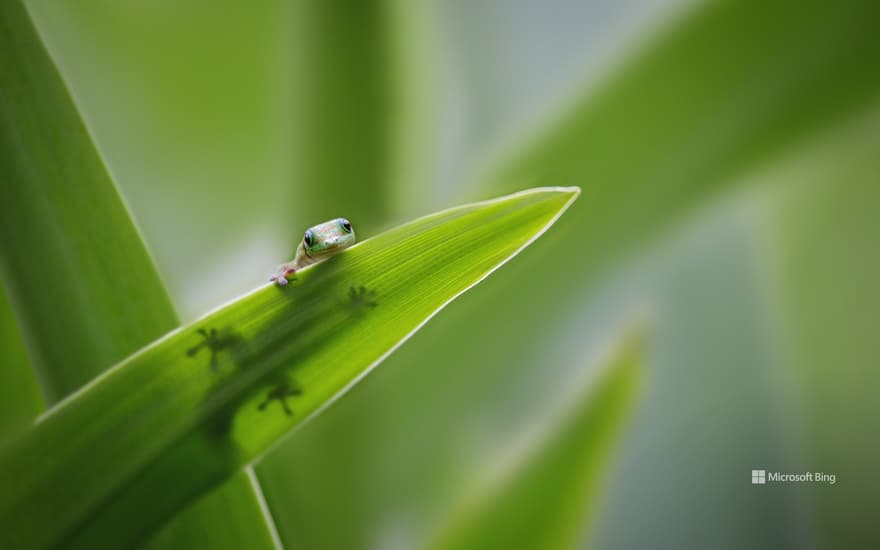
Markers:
point(572, 190)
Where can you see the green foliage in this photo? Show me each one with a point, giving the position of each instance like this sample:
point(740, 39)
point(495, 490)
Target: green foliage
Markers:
point(348, 105)
point(668, 134)
point(231, 516)
point(822, 228)
point(86, 291)
point(68, 244)
point(188, 411)
point(719, 103)
point(539, 495)
point(20, 399)
point(340, 50)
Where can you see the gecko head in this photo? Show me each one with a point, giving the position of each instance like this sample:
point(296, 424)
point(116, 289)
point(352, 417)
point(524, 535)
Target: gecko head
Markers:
point(328, 238)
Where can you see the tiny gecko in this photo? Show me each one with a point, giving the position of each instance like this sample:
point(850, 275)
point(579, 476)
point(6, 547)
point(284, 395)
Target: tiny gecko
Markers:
point(319, 243)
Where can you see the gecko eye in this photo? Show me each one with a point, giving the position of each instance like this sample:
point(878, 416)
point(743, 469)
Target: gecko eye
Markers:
point(346, 225)
point(307, 239)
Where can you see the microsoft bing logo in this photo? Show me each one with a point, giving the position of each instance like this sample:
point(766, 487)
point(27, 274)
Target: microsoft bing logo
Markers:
point(762, 477)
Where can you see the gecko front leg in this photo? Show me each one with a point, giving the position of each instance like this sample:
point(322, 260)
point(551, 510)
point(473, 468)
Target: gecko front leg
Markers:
point(281, 274)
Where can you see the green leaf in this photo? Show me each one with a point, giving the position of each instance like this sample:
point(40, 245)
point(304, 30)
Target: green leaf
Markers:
point(361, 89)
point(84, 286)
point(20, 399)
point(231, 516)
point(86, 292)
point(202, 156)
point(343, 67)
point(539, 492)
point(822, 209)
point(188, 411)
point(668, 131)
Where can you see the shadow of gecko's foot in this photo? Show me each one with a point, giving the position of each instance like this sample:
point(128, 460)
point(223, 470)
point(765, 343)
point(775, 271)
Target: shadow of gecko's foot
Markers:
point(359, 299)
point(280, 393)
point(215, 342)
point(210, 339)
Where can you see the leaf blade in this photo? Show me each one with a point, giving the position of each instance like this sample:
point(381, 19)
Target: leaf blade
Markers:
point(85, 288)
point(186, 412)
point(65, 235)
point(20, 399)
point(539, 499)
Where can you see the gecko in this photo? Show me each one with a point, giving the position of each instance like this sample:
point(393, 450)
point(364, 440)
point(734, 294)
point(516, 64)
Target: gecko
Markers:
point(318, 243)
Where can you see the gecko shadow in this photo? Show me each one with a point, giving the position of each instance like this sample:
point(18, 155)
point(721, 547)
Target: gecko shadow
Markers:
point(283, 387)
point(361, 299)
point(228, 355)
point(216, 341)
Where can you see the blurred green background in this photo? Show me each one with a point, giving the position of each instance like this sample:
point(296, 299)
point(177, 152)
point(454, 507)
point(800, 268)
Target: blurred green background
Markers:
point(728, 154)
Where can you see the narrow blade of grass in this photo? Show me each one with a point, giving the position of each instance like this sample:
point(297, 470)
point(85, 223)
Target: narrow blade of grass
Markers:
point(538, 495)
point(230, 517)
point(188, 411)
point(341, 61)
point(85, 289)
point(20, 399)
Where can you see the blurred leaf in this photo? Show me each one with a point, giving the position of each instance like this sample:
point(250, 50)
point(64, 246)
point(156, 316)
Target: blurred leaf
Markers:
point(84, 285)
point(194, 126)
point(714, 95)
point(188, 411)
point(669, 129)
point(823, 224)
point(414, 169)
point(360, 110)
point(540, 496)
point(85, 289)
point(20, 399)
point(700, 104)
point(732, 87)
point(232, 516)
point(342, 110)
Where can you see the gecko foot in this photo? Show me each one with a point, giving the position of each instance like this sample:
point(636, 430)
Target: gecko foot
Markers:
point(280, 276)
